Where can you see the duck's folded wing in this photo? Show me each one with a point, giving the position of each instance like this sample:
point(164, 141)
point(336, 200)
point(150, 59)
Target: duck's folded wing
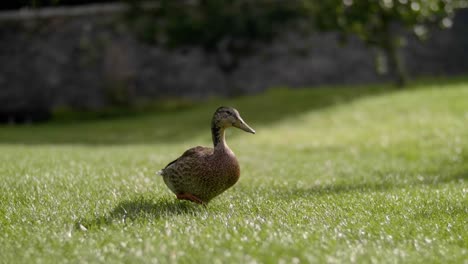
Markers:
point(192, 153)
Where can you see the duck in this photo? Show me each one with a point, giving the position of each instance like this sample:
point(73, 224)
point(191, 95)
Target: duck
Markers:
point(202, 173)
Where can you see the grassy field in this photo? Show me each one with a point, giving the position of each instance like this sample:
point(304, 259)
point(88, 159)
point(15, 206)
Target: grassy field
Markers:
point(363, 174)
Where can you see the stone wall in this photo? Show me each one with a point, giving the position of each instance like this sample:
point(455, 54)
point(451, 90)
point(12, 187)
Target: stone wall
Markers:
point(90, 62)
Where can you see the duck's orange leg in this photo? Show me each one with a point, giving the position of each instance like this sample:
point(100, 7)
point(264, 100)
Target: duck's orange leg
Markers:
point(189, 197)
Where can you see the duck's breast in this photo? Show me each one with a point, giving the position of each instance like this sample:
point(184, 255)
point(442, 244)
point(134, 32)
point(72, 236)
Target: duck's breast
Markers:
point(228, 169)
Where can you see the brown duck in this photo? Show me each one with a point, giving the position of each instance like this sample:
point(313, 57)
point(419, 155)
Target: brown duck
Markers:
point(202, 173)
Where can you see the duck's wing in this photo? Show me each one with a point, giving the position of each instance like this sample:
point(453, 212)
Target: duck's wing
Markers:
point(192, 153)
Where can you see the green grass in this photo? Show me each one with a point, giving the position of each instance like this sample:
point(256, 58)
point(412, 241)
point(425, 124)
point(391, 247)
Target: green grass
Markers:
point(362, 174)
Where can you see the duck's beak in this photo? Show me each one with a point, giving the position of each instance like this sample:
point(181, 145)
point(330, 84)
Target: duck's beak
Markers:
point(242, 125)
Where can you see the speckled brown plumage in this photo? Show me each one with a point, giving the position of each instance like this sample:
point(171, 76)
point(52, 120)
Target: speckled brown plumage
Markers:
point(202, 173)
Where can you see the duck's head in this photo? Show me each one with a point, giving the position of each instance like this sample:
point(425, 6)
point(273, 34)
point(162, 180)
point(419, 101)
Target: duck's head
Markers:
point(227, 116)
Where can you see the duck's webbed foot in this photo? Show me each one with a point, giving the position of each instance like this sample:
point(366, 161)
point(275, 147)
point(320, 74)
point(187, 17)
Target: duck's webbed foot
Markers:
point(190, 197)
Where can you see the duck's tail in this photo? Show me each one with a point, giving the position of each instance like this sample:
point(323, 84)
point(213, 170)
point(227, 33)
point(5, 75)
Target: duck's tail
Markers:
point(160, 172)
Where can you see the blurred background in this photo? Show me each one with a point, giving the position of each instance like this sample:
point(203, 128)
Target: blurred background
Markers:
point(62, 56)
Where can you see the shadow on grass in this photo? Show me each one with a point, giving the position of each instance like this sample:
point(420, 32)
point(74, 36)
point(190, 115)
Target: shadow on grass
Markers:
point(140, 209)
point(146, 209)
point(191, 121)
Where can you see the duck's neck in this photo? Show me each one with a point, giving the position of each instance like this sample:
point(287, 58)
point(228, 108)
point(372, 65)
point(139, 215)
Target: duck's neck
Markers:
point(217, 134)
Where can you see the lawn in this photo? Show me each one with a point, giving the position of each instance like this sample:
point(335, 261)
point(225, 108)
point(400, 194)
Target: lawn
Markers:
point(333, 175)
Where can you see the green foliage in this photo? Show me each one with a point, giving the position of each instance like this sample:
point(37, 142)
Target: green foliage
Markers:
point(332, 175)
point(380, 23)
point(229, 30)
point(210, 22)
point(371, 19)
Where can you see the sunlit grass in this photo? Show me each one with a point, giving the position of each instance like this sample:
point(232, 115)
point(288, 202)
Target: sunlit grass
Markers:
point(366, 174)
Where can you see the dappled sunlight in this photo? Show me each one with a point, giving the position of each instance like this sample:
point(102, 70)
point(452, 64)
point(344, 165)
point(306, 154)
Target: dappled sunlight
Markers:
point(319, 117)
point(261, 110)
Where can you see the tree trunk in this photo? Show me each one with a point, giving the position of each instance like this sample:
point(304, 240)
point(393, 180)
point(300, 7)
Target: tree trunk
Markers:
point(396, 64)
